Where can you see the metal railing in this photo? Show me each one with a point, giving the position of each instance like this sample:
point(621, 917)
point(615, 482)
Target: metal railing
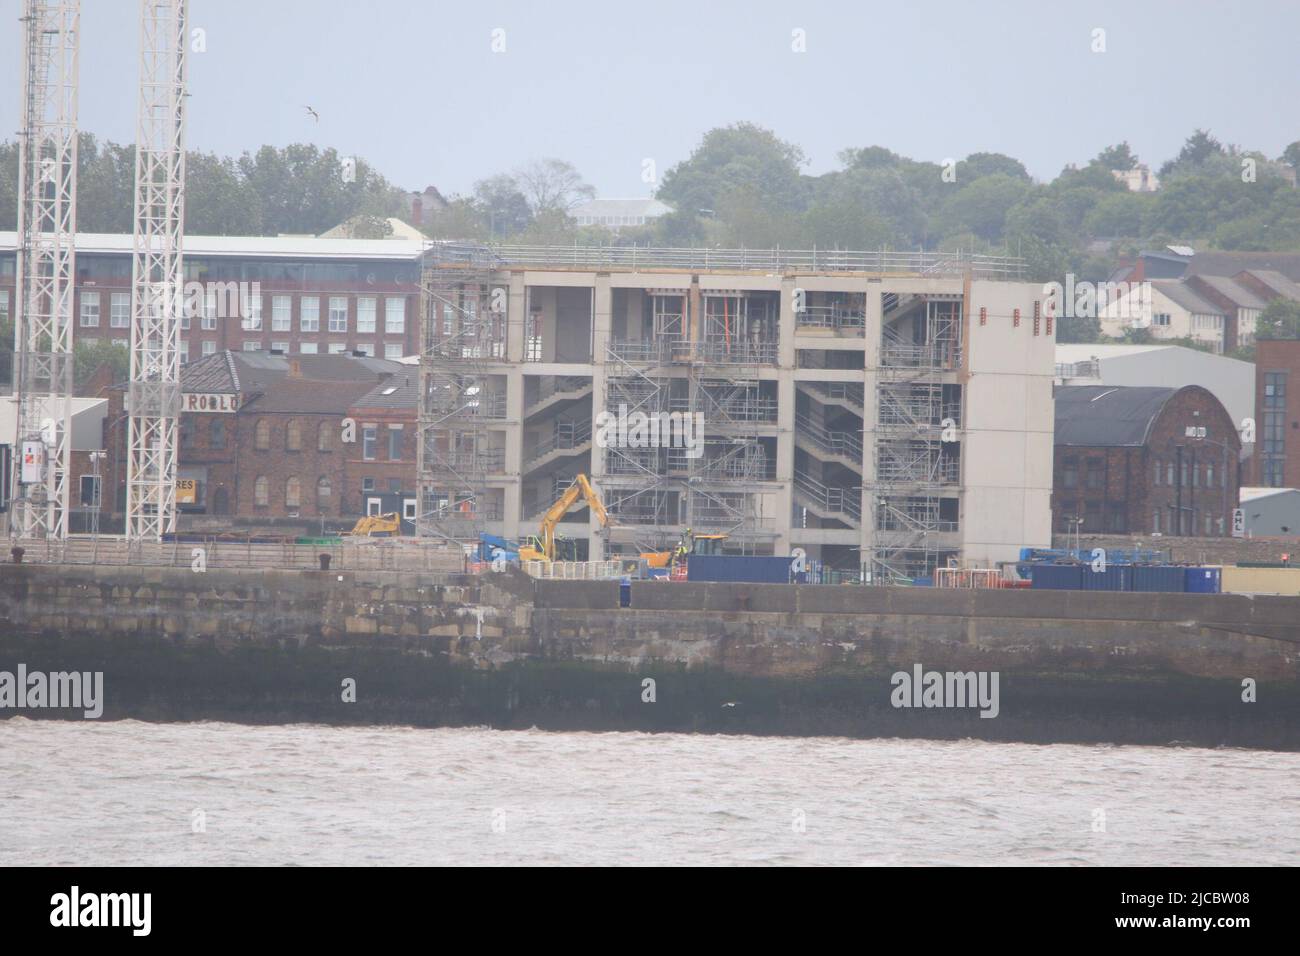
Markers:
point(566, 436)
point(849, 392)
point(831, 317)
point(722, 260)
point(843, 501)
point(845, 444)
point(356, 554)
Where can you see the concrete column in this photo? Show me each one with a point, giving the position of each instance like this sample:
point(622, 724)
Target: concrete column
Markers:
point(785, 403)
point(602, 316)
point(514, 429)
point(870, 404)
point(516, 316)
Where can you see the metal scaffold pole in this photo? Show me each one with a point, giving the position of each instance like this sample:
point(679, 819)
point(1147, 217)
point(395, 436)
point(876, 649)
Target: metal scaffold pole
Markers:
point(157, 274)
point(46, 267)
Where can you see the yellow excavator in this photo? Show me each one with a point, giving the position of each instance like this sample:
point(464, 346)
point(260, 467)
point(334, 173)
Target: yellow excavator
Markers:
point(542, 546)
point(377, 526)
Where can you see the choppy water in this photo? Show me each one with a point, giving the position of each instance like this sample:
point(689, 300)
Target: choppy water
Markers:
point(127, 792)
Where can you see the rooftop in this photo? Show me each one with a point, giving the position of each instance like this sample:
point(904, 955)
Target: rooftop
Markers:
point(1178, 292)
point(230, 372)
point(1105, 415)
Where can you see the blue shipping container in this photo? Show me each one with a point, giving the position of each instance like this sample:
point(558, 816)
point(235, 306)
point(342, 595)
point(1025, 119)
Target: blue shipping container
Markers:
point(727, 567)
point(1204, 580)
point(1158, 578)
point(1054, 577)
point(1114, 578)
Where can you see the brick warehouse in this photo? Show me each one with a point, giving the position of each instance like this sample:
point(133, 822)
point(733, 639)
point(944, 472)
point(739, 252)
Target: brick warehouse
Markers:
point(1276, 462)
point(1144, 460)
point(262, 436)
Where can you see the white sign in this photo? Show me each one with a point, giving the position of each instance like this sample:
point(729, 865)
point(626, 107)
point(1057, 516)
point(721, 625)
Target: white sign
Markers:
point(1238, 523)
point(209, 402)
point(1195, 431)
point(33, 467)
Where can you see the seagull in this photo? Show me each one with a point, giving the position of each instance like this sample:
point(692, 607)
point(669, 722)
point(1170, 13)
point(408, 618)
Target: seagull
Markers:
point(730, 703)
point(314, 114)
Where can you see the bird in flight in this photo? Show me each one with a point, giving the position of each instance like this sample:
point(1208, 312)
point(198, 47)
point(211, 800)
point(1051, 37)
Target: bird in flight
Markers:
point(314, 114)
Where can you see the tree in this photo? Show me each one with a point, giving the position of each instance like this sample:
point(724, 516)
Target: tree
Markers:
point(979, 165)
point(1117, 157)
point(506, 207)
point(1279, 320)
point(1199, 148)
point(731, 158)
point(981, 207)
point(552, 186)
point(1291, 155)
point(89, 356)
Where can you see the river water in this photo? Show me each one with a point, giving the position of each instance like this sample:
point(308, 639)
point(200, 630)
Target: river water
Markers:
point(127, 792)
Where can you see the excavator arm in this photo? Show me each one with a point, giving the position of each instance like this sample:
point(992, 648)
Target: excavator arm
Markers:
point(581, 487)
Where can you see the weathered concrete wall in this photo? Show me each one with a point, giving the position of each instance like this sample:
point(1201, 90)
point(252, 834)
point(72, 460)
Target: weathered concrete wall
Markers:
point(507, 651)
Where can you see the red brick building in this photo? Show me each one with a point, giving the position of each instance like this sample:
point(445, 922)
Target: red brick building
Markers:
point(297, 295)
point(263, 436)
point(381, 463)
point(1276, 462)
point(1144, 460)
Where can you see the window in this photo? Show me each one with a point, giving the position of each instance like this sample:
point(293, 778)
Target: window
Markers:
point(366, 348)
point(338, 313)
point(446, 318)
point(1169, 474)
point(1070, 473)
point(368, 484)
point(369, 438)
point(89, 309)
point(323, 492)
point(309, 313)
point(262, 435)
point(90, 491)
point(187, 431)
point(209, 348)
point(1182, 475)
point(1158, 470)
point(185, 353)
point(306, 348)
point(1160, 318)
point(365, 314)
point(217, 434)
point(260, 495)
point(4, 305)
point(1209, 524)
point(1155, 521)
point(324, 437)
point(185, 319)
point(252, 313)
point(281, 313)
point(408, 509)
point(1196, 475)
point(252, 346)
point(1096, 473)
point(282, 347)
point(392, 351)
point(292, 492)
point(209, 322)
point(1115, 519)
point(395, 315)
point(394, 486)
point(338, 348)
point(119, 310)
point(293, 436)
point(395, 434)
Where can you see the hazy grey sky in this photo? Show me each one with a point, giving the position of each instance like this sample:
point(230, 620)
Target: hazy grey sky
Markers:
point(415, 88)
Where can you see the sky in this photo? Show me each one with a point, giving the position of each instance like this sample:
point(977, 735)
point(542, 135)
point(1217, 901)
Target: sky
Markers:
point(445, 94)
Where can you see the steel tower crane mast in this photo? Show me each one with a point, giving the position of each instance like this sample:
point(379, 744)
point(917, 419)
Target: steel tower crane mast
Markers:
point(46, 268)
point(157, 274)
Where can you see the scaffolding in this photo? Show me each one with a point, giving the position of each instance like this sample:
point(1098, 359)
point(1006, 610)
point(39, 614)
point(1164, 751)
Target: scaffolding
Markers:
point(462, 326)
point(157, 274)
point(918, 415)
point(46, 260)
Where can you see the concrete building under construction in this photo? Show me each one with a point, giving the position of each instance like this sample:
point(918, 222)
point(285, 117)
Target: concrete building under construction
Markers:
point(884, 412)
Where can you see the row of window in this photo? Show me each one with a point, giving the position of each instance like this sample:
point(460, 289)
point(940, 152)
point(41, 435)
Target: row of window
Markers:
point(1164, 474)
point(1113, 518)
point(324, 438)
point(309, 316)
point(392, 350)
point(292, 491)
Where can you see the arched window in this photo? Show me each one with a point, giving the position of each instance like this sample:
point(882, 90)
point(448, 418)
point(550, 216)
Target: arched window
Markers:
point(221, 502)
point(293, 436)
point(262, 435)
point(324, 436)
point(292, 492)
point(260, 492)
point(323, 491)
